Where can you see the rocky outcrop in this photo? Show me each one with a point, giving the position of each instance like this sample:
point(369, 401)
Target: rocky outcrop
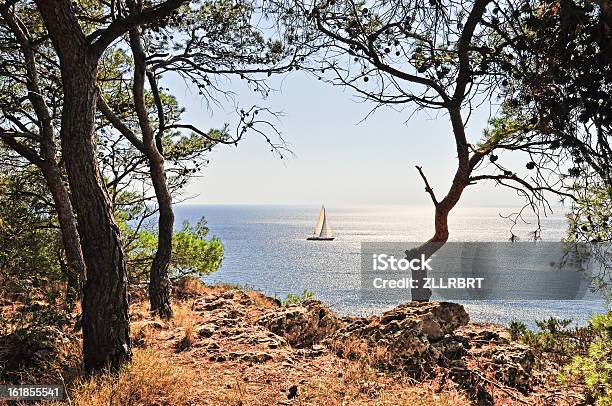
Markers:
point(420, 339)
point(415, 337)
point(34, 349)
point(511, 363)
point(302, 325)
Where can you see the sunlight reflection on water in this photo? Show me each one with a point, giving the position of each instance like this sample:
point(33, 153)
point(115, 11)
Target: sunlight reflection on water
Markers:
point(266, 249)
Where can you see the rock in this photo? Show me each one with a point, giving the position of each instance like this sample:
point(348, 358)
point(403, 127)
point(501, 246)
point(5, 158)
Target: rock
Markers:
point(156, 325)
point(315, 351)
point(513, 364)
point(206, 304)
point(207, 330)
point(302, 325)
point(435, 319)
point(453, 348)
point(33, 349)
point(484, 333)
point(250, 357)
point(218, 358)
point(414, 337)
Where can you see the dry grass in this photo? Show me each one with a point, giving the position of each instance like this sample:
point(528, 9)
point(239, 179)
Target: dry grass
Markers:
point(141, 334)
point(359, 384)
point(147, 380)
point(172, 365)
point(359, 350)
point(184, 315)
point(262, 300)
point(186, 319)
point(159, 375)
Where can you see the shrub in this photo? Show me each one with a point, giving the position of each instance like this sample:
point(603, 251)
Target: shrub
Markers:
point(193, 254)
point(298, 299)
point(517, 329)
point(556, 340)
point(595, 367)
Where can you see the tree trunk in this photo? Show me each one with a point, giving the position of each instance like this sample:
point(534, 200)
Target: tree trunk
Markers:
point(159, 281)
point(444, 207)
point(75, 264)
point(106, 339)
point(429, 248)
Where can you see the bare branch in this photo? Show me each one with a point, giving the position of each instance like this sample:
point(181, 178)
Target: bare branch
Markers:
point(428, 188)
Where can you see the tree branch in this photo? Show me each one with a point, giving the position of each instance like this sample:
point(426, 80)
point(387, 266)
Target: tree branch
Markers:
point(465, 72)
point(118, 124)
point(428, 188)
point(101, 39)
point(23, 150)
point(522, 182)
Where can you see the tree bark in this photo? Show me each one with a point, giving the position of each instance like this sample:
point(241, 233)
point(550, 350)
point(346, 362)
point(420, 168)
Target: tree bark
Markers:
point(444, 207)
point(159, 281)
point(106, 340)
point(75, 264)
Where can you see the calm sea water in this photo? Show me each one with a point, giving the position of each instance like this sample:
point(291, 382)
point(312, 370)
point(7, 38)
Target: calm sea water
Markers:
point(266, 249)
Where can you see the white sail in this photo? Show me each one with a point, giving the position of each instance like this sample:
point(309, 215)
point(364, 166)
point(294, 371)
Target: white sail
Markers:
point(323, 228)
point(326, 232)
point(320, 221)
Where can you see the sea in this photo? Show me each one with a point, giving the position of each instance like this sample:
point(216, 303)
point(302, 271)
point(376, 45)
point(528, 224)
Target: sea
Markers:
point(266, 250)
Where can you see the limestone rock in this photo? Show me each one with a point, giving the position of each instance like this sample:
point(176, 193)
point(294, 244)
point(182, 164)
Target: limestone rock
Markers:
point(302, 325)
point(409, 337)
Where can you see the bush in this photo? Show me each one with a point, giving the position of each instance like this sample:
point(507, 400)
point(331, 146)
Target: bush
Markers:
point(517, 329)
point(192, 253)
point(556, 341)
point(595, 367)
point(146, 380)
point(33, 287)
point(298, 299)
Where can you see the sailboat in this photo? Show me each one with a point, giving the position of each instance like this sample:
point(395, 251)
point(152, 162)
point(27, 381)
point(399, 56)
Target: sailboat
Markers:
point(322, 231)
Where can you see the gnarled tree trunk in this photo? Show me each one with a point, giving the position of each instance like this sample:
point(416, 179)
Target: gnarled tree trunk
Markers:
point(444, 207)
point(106, 340)
point(159, 281)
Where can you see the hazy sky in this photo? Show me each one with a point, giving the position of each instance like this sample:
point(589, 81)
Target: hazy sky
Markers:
point(337, 160)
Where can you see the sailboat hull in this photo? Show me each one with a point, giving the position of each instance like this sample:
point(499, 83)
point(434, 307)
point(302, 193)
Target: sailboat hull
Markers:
point(320, 238)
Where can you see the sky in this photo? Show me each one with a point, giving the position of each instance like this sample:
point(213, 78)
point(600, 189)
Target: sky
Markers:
point(338, 158)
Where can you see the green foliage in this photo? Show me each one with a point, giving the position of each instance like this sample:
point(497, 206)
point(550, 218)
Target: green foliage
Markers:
point(192, 252)
point(590, 221)
point(552, 325)
point(517, 329)
point(30, 248)
point(556, 341)
point(29, 240)
point(298, 299)
point(595, 367)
